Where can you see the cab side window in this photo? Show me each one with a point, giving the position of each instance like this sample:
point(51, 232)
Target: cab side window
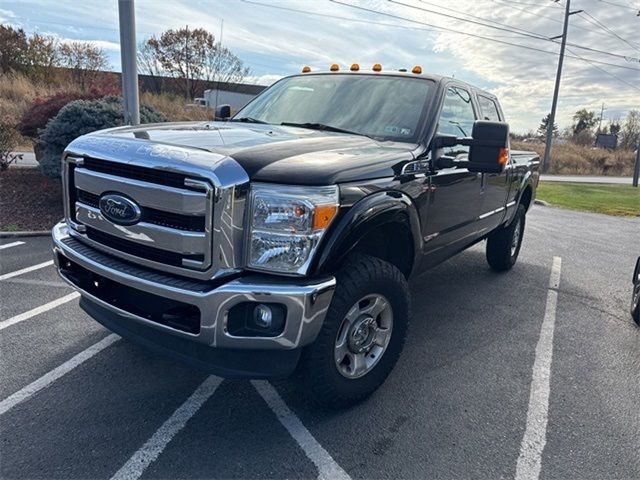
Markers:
point(488, 109)
point(456, 118)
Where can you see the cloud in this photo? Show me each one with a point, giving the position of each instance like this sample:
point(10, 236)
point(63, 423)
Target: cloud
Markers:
point(276, 40)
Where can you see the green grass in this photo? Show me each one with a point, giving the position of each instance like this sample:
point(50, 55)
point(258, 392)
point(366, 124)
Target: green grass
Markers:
point(622, 200)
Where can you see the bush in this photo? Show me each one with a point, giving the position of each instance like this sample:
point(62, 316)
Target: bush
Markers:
point(79, 118)
point(9, 139)
point(42, 110)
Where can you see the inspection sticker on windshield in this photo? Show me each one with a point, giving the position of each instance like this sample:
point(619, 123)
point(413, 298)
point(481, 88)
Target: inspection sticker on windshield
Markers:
point(397, 131)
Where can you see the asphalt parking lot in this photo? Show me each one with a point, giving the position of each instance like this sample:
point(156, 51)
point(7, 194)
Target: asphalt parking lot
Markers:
point(77, 402)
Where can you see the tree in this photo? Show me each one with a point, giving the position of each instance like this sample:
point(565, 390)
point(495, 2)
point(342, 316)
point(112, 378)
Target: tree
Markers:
point(584, 120)
point(194, 56)
point(614, 127)
point(631, 130)
point(42, 56)
point(85, 60)
point(149, 65)
point(13, 48)
point(544, 124)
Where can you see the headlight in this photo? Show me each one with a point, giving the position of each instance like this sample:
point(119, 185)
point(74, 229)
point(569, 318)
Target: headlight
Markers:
point(287, 223)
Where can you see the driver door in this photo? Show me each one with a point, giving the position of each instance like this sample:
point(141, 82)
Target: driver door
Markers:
point(451, 222)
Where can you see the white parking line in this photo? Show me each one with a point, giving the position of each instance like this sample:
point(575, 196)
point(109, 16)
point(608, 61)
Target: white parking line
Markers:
point(327, 466)
point(9, 245)
point(26, 270)
point(149, 452)
point(48, 378)
point(535, 435)
point(38, 310)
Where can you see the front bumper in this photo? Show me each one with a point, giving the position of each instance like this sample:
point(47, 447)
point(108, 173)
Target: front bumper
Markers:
point(212, 347)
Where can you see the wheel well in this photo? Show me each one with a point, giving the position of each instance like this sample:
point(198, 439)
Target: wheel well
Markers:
point(392, 243)
point(525, 199)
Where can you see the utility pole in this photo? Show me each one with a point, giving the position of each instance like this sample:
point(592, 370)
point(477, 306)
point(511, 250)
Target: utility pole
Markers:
point(554, 103)
point(636, 168)
point(601, 115)
point(126, 10)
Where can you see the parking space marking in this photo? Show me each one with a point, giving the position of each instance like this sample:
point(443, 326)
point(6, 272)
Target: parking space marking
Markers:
point(50, 377)
point(327, 466)
point(9, 245)
point(26, 270)
point(38, 310)
point(535, 435)
point(151, 450)
point(38, 283)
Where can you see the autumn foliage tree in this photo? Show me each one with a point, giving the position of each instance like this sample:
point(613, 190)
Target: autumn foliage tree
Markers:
point(192, 55)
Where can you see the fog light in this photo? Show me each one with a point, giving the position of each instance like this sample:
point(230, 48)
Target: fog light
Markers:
point(263, 316)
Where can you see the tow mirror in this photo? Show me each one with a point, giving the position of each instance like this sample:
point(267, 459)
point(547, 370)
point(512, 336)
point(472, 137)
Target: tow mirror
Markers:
point(488, 152)
point(222, 112)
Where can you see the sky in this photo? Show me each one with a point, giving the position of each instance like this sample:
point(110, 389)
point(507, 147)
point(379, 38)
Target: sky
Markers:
point(276, 38)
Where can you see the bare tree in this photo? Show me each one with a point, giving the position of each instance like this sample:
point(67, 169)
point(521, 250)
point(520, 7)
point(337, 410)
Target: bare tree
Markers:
point(194, 56)
point(224, 66)
point(85, 60)
point(150, 66)
point(631, 130)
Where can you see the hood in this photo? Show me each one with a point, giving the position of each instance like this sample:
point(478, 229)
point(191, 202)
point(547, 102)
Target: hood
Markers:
point(279, 154)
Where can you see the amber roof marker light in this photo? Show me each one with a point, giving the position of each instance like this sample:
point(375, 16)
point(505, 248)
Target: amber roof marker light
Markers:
point(306, 69)
point(417, 70)
point(376, 67)
point(355, 67)
point(334, 67)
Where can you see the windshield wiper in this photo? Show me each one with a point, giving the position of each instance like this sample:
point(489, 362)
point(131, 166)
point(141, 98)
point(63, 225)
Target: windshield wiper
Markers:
point(247, 120)
point(321, 126)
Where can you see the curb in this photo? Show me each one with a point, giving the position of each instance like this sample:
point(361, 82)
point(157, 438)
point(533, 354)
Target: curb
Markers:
point(541, 202)
point(33, 233)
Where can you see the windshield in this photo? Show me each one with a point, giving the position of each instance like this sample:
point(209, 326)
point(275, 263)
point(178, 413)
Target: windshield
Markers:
point(384, 107)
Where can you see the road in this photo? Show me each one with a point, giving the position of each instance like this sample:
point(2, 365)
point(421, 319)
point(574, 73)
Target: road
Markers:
point(587, 179)
point(76, 402)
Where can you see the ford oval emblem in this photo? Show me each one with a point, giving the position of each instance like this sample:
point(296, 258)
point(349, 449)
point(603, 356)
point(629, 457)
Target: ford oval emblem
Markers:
point(119, 209)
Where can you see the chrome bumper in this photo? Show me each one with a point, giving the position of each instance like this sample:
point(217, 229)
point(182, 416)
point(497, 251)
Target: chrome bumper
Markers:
point(306, 301)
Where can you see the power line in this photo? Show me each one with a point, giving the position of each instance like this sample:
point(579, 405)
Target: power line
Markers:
point(526, 47)
point(536, 14)
point(493, 24)
point(603, 70)
point(623, 6)
point(607, 29)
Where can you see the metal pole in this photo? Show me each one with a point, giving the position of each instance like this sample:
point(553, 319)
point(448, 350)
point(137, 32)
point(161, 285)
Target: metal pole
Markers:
point(636, 169)
point(126, 9)
point(554, 103)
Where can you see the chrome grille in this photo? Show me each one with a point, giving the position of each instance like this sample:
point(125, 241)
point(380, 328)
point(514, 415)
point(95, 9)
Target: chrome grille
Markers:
point(175, 232)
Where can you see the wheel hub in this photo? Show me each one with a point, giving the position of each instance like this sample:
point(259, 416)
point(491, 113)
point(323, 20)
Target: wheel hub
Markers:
point(361, 334)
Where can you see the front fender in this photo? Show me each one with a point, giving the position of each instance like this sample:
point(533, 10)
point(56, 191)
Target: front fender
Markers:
point(363, 217)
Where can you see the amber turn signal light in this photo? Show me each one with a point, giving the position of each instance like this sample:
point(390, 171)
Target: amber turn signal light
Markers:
point(377, 67)
point(323, 215)
point(503, 156)
point(334, 67)
point(355, 67)
point(417, 70)
point(306, 69)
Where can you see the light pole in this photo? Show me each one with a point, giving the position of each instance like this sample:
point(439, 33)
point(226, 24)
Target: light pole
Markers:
point(126, 9)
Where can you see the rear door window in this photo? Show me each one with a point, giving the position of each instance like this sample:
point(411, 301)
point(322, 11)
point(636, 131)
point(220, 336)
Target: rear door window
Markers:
point(488, 109)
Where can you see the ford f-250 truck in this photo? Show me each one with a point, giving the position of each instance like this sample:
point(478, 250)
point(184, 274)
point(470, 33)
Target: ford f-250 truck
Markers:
point(284, 237)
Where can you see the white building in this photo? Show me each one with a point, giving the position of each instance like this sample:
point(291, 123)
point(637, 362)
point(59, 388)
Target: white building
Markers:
point(235, 94)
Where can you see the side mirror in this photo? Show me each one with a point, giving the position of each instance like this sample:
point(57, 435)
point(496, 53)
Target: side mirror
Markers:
point(222, 112)
point(488, 152)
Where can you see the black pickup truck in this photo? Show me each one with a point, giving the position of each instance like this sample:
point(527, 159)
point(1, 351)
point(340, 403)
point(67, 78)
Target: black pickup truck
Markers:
point(283, 238)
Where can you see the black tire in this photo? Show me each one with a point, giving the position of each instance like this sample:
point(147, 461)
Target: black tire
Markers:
point(500, 254)
point(319, 376)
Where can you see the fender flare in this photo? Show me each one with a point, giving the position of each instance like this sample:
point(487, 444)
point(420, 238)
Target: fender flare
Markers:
point(371, 212)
